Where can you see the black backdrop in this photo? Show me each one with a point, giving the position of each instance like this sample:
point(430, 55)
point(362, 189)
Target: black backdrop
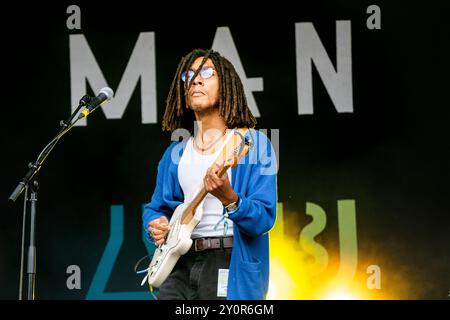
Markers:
point(390, 155)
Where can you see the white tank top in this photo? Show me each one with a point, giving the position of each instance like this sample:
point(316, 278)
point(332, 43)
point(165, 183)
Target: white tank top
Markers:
point(191, 171)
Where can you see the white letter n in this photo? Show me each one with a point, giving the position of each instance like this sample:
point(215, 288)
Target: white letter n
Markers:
point(338, 82)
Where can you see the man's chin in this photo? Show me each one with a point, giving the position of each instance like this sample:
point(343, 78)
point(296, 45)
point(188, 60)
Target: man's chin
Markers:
point(201, 108)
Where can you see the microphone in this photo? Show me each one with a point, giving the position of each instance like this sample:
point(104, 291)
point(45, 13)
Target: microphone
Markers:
point(105, 94)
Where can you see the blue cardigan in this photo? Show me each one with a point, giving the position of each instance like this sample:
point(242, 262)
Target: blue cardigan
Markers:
point(254, 179)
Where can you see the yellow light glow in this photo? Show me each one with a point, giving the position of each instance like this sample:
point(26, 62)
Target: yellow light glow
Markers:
point(300, 271)
point(280, 276)
point(288, 276)
point(341, 294)
point(291, 277)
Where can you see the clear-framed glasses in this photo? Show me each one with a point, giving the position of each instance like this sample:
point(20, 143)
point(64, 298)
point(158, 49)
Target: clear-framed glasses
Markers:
point(206, 72)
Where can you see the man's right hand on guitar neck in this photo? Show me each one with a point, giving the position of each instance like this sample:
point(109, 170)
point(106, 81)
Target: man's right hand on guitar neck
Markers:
point(158, 229)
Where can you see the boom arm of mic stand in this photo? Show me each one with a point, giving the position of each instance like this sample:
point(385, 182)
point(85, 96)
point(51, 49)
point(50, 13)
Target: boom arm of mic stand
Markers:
point(36, 166)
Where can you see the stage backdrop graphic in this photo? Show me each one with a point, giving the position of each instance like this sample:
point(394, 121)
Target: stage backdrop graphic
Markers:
point(351, 96)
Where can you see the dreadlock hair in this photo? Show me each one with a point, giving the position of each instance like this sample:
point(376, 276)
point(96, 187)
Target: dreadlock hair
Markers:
point(233, 107)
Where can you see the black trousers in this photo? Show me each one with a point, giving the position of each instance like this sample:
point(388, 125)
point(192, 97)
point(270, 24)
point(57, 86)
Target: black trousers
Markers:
point(195, 276)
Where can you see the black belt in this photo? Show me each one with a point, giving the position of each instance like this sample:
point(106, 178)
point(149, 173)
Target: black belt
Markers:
point(201, 244)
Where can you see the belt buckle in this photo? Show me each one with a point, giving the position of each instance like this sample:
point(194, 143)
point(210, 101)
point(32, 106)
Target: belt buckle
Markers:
point(195, 244)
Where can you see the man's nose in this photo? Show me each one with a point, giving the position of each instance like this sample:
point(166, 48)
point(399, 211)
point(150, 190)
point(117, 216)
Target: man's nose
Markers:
point(198, 80)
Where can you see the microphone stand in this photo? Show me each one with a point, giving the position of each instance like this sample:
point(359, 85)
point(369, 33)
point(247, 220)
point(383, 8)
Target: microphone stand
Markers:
point(29, 182)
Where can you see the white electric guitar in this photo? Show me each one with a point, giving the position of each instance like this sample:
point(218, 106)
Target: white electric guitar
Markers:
point(188, 214)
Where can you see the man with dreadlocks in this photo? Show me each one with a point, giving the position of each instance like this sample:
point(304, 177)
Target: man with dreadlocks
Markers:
point(230, 254)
